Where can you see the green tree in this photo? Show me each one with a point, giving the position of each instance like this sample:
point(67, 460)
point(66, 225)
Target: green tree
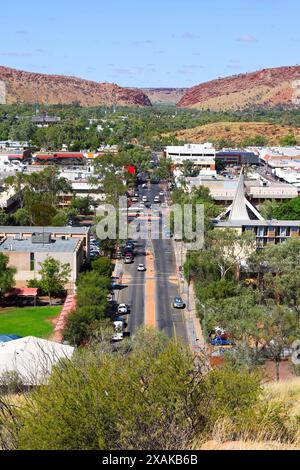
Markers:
point(187, 168)
point(60, 219)
point(4, 217)
point(7, 275)
point(53, 276)
point(268, 209)
point(103, 267)
point(164, 171)
point(288, 140)
point(131, 400)
point(289, 210)
point(82, 204)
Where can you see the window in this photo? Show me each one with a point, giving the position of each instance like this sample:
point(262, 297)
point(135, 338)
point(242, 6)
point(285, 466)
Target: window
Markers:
point(31, 261)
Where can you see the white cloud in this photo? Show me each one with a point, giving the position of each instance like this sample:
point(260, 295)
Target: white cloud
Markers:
point(15, 54)
point(189, 35)
point(246, 38)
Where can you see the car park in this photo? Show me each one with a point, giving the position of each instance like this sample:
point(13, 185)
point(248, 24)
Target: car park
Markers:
point(141, 267)
point(178, 302)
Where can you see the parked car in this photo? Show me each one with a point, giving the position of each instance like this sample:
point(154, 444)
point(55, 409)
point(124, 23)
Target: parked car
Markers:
point(178, 302)
point(114, 283)
point(120, 318)
point(118, 335)
point(161, 193)
point(156, 198)
point(128, 259)
point(141, 267)
point(123, 308)
point(218, 341)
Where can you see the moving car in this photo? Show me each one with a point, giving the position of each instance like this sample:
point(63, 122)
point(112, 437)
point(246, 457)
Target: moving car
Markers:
point(123, 308)
point(128, 259)
point(178, 302)
point(141, 267)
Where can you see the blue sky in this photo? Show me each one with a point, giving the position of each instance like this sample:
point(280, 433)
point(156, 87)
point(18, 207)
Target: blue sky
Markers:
point(155, 43)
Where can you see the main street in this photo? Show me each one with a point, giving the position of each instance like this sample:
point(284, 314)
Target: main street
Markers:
point(135, 285)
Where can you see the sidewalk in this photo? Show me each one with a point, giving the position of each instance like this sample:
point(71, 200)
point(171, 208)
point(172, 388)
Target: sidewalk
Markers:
point(194, 330)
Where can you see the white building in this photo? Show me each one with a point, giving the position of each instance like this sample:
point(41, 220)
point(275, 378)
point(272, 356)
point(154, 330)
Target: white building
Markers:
point(32, 358)
point(203, 156)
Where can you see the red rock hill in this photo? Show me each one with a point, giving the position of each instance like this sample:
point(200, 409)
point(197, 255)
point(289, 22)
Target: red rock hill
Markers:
point(27, 87)
point(266, 88)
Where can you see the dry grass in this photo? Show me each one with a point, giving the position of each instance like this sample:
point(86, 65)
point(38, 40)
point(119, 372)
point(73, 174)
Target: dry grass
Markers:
point(276, 429)
point(237, 132)
point(287, 391)
point(247, 445)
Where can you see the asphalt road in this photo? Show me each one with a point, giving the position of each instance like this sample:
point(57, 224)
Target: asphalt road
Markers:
point(168, 319)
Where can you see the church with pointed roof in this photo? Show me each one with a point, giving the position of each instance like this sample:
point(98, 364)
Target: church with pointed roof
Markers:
point(243, 216)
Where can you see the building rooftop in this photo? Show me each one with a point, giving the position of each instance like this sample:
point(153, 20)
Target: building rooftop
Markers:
point(26, 245)
point(29, 229)
point(190, 147)
point(33, 358)
point(262, 223)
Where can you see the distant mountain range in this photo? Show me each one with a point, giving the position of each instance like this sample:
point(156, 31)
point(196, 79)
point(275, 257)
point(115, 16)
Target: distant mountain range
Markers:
point(26, 87)
point(265, 88)
point(164, 96)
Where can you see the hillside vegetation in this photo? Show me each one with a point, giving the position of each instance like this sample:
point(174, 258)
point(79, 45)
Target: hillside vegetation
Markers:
point(266, 88)
point(238, 133)
point(17, 86)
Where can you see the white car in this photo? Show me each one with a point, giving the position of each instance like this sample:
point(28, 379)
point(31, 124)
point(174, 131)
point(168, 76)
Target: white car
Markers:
point(123, 308)
point(145, 199)
point(118, 335)
point(161, 193)
point(156, 199)
point(141, 267)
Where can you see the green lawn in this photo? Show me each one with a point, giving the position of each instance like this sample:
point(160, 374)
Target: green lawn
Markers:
point(28, 321)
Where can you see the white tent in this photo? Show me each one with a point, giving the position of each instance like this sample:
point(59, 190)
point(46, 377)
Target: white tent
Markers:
point(32, 358)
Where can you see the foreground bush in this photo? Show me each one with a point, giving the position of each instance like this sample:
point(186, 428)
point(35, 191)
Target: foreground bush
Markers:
point(151, 394)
